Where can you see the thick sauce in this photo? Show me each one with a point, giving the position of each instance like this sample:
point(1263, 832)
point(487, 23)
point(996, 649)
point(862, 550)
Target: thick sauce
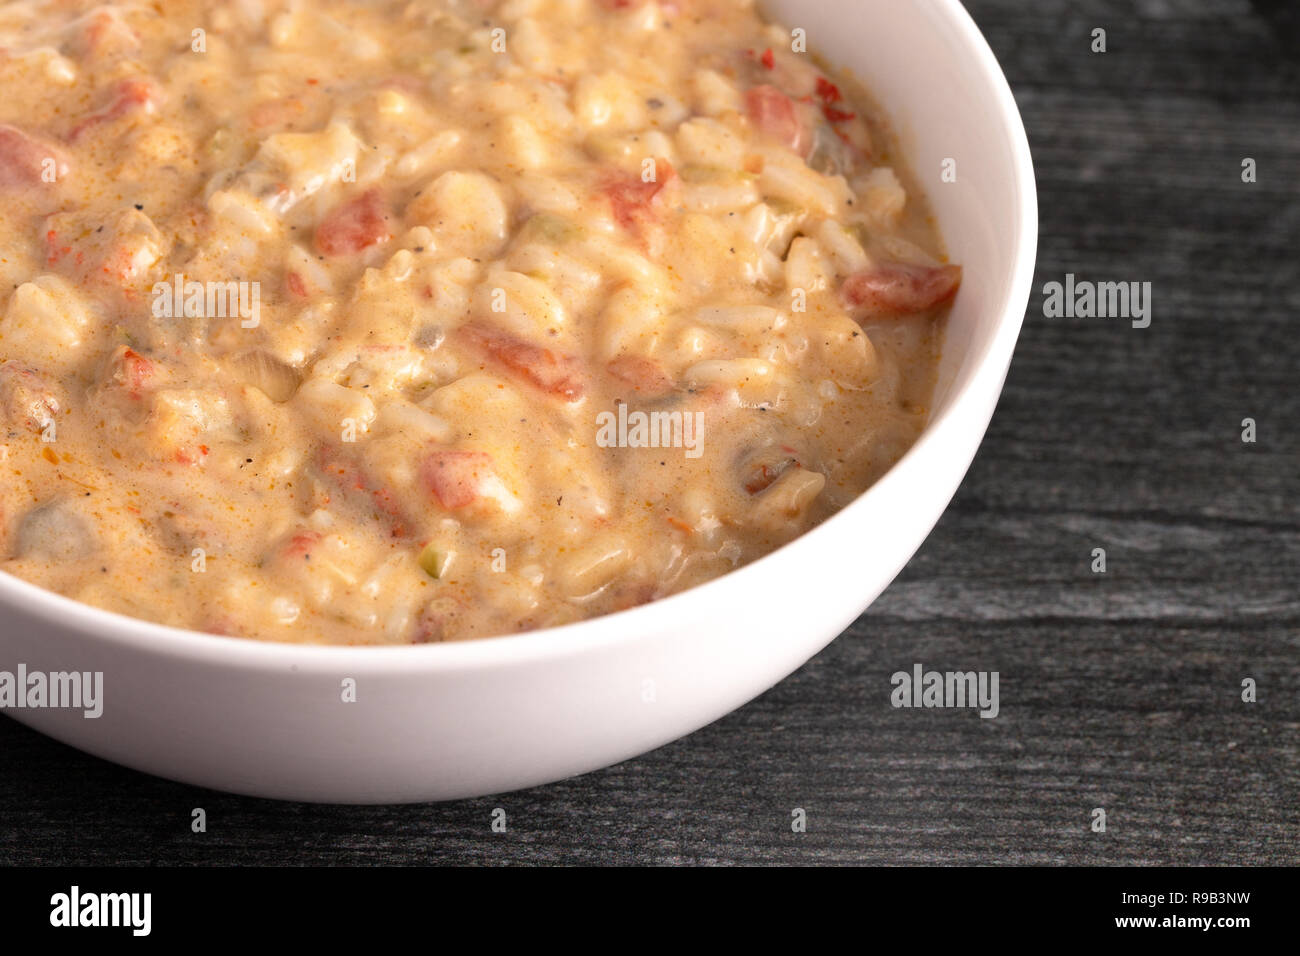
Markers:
point(399, 322)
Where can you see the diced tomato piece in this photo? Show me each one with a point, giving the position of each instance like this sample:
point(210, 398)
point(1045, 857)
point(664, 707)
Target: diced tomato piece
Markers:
point(634, 201)
point(301, 543)
point(133, 93)
point(554, 374)
point(295, 284)
point(24, 159)
point(897, 289)
point(837, 116)
point(131, 372)
point(827, 91)
point(774, 114)
point(103, 33)
point(644, 375)
point(768, 59)
point(355, 225)
point(455, 478)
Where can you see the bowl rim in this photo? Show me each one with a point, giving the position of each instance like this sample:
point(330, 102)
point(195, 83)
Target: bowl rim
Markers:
point(607, 631)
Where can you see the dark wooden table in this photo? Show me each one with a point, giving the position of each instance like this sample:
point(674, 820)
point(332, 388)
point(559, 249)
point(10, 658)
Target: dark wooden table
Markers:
point(1120, 691)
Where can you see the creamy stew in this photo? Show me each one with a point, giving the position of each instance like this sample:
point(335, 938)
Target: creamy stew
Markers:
point(400, 321)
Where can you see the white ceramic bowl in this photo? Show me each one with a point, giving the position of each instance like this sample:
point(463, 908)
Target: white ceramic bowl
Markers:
point(442, 721)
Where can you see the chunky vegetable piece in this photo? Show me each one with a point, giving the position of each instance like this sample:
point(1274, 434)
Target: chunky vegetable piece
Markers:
point(774, 114)
point(364, 323)
point(552, 373)
point(899, 289)
point(28, 161)
point(126, 96)
point(354, 226)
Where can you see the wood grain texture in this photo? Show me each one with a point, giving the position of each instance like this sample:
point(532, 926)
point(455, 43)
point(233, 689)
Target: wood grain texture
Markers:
point(1119, 691)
